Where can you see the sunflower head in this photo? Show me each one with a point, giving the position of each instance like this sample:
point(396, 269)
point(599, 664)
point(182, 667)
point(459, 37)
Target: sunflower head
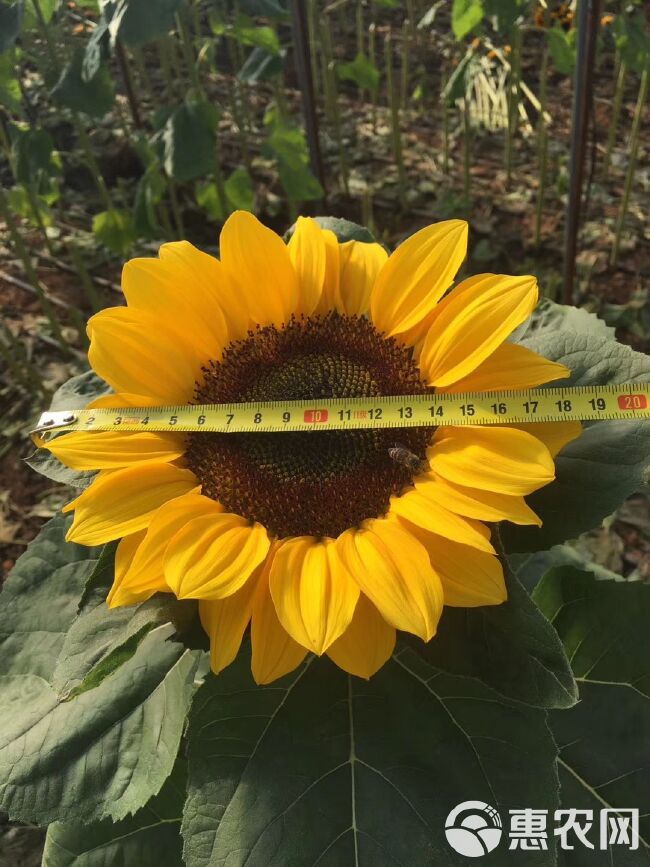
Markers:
point(324, 542)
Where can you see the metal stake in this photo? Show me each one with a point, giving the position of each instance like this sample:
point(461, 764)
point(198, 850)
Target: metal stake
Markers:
point(588, 20)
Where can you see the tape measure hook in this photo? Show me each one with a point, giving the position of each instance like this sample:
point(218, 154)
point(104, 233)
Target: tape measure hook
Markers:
point(52, 421)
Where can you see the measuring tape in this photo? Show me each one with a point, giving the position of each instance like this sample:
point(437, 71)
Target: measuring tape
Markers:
point(585, 403)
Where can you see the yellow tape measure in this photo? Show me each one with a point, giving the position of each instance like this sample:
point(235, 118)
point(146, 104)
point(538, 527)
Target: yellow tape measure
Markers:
point(423, 410)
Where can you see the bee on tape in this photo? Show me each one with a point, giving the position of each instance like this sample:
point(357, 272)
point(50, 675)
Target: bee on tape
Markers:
point(405, 458)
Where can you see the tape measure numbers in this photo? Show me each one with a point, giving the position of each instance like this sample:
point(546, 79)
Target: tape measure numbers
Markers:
point(424, 410)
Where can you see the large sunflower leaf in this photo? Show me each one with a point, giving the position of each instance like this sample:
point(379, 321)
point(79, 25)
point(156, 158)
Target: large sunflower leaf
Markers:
point(604, 761)
point(104, 753)
point(511, 647)
point(603, 466)
point(150, 838)
point(39, 600)
point(76, 393)
point(321, 768)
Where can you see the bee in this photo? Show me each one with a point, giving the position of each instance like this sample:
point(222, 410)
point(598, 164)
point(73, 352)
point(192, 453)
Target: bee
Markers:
point(405, 458)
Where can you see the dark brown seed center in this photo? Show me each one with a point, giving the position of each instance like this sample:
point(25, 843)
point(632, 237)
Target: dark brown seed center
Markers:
point(316, 483)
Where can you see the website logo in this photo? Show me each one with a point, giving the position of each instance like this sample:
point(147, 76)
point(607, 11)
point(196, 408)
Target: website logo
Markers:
point(473, 828)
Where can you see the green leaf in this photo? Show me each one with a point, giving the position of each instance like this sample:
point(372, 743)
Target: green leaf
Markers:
point(11, 23)
point(287, 144)
point(345, 230)
point(603, 624)
point(115, 230)
point(239, 192)
point(505, 12)
point(149, 193)
point(362, 71)
point(34, 152)
point(466, 15)
point(239, 189)
point(39, 600)
point(76, 393)
point(189, 141)
point(10, 95)
point(549, 316)
point(246, 32)
point(633, 39)
point(323, 768)
point(603, 739)
point(100, 640)
point(260, 65)
point(93, 97)
point(562, 50)
point(137, 22)
point(151, 838)
point(47, 7)
point(207, 197)
point(596, 472)
point(511, 648)
point(102, 754)
point(532, 568)
point(21, 203)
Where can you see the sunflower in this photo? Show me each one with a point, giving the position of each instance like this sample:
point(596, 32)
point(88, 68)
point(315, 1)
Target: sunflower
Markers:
point(323, 542)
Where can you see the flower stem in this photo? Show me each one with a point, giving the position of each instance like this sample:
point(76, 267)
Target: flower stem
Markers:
point(395, 120)
point(616, 114)
point(542, 146)
point(632, 156)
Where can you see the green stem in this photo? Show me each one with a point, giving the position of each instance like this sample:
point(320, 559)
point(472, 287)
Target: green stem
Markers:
point(616, 114)
point(188, 51)
point(404, 95)
point(395, 121)
point(467, 150)
point(333, 90)
point(631, 166)
point(313, 42)
point(176, 209)
point(513, 100)
point(542, 146)
point(372, 54)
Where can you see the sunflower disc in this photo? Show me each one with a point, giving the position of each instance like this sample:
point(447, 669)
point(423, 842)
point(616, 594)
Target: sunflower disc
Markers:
point(396, 411)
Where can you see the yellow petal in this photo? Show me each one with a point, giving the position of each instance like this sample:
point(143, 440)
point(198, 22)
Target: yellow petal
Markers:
point(330, 297)
point(501, 459)
point(313, 593)
point(418, 507)
point(122, 502)
point(213, 556)
point(124, 556)
point(211, 279)
point(366, 644)
point(475, 503)
point(554, 434)
point(134, 352)
point(393, 570)
point(225, 621)
point(179, 292)
point(360, 263)
point(308, 255)
point(102, 450)
point(471, 322)
point(469, 577)
point(257, 261)
point(147, 567)
point(123, 399)
point(416, 276)
point(510, 366)
point(274, 652)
